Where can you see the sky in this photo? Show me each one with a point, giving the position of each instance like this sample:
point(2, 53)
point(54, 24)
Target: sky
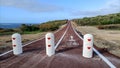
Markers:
point(38, 11)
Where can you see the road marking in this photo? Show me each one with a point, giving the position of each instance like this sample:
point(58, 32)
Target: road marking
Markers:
point(23, 46)
point(6, 52)
point(33, 41)
point(61, 38)
point(103, 58)
point(98, 53)
point(29, 43)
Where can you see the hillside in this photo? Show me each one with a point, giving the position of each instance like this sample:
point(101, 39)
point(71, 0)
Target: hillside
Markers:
point(107, 33)
point(99, 20)
point(28, 33)
point(34, 28)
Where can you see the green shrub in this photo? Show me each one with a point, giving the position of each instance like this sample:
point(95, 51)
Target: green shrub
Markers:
point(99, 20)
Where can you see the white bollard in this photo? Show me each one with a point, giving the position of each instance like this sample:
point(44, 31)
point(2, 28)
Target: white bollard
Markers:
point(88, 46)
point(50, 49)
point(16, 43)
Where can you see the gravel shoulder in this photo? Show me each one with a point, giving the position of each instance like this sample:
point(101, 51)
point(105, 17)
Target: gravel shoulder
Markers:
point(108, 39)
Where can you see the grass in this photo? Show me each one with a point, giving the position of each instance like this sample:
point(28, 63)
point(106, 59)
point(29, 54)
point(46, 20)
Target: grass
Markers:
point(6, 42)
point(6, 33)
point(32, 32)
point(25, 32)
point(104, 38)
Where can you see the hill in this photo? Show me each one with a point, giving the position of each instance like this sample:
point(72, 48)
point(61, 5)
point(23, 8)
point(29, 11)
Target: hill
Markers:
point(99, 20)
point(34, 28)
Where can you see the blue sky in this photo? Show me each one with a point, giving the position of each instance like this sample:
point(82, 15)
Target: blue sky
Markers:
point(38, 11)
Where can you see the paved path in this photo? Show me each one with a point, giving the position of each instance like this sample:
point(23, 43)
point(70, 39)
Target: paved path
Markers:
point(68, 54)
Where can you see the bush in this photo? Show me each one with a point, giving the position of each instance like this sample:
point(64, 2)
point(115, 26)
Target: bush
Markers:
point(109, 27)
point(51, 25)
point(99, 20)
point(25, 27)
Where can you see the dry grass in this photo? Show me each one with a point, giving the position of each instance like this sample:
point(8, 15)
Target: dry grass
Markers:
point(109, 39)
point(6, 43)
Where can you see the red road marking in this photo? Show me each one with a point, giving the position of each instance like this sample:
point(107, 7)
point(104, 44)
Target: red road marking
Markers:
point(49, 38)
point(49, 45)
point(14, 38)
point(88, 47)
point(14, 45)
point(89, 39)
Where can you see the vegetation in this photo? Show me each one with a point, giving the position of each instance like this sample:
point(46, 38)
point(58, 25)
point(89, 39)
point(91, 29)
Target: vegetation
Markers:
point(28, 29)
point(48, 26)
point(111, 27)
point(6, 31)
point(51, 25)
point(99, 20)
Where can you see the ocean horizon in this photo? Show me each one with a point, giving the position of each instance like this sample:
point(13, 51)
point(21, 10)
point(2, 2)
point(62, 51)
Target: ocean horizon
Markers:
point(13, 25)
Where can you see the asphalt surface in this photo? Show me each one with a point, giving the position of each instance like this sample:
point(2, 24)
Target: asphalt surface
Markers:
point(68, 54)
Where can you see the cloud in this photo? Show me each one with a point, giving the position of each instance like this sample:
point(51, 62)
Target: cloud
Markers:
point(111, 6)
point(30, 5)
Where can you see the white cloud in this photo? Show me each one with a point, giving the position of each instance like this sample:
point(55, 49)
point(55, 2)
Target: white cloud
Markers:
point(111, 6)
point(30, 5)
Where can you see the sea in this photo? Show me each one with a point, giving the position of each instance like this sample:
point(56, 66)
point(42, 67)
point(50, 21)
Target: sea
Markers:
point(13, 25)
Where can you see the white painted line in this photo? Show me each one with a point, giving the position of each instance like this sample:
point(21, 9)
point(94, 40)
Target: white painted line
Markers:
point(33, 41)
point(26, 44)
point(77, 34)
point(23, 46)
point(98, 53)
point(105, 59)
point(61, 38)
point(6, 53)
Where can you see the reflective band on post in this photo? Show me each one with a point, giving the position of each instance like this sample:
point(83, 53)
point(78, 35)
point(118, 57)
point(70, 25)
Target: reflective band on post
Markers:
point(13, 38)
point(14, 45)
point(49, 38)
point(49, 45)
point(88, 47)
point(89, 39)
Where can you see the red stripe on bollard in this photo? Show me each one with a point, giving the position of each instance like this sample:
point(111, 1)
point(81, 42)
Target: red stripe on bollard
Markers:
point(14, 45)
point(14, 38)
point(88, 47)
point(89, 39)
point(49, 38)
point(49, 45)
